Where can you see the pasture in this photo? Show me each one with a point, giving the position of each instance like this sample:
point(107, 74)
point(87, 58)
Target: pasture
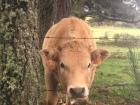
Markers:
point(101, 31)
point(115, 82)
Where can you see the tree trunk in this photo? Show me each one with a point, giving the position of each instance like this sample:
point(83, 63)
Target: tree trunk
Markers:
point(45, 17)
point(50, 12)
point(62, 9)
point(20, 76)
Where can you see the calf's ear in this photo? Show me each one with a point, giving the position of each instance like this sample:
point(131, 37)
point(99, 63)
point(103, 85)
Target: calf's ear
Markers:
point(49, 58)
point(99, 55)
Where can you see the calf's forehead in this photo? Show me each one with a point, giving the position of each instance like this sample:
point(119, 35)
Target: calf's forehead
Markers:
point(68, 56)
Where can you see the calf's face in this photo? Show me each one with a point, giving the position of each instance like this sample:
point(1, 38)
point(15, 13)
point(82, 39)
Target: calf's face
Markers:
point(75, 72)
point(76, 69)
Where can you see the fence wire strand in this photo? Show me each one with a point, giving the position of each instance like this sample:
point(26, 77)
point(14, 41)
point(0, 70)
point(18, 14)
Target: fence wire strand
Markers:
point(88, 38)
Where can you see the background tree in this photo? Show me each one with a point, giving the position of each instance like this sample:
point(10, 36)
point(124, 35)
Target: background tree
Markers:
point(50, 12)
point(117, 10)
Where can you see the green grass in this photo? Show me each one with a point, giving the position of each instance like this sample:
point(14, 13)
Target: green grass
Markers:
point(110, 80)
point(113, 48)
point(100, 31)
point(114, 67)
point(115, 70)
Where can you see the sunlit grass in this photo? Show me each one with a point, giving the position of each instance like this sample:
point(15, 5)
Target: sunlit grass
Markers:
point(110, 31)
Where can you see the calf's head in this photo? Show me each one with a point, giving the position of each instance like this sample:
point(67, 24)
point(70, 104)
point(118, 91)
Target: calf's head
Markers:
point(75, 69)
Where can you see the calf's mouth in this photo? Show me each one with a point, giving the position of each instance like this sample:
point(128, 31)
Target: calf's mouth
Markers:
point(78, 101)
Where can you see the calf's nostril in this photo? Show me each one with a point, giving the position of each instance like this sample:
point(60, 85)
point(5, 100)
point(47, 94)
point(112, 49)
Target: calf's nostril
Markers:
point(77, 92)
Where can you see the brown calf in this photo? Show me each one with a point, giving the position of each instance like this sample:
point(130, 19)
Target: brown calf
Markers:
point(70, 57)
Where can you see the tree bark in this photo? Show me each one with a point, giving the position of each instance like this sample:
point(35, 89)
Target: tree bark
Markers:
point(62, 9)
point(20, 76)
point(45, 17)
point(50, 12)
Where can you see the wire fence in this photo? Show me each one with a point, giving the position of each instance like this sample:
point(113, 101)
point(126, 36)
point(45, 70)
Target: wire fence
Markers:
point(112, 38)
point(120, 74)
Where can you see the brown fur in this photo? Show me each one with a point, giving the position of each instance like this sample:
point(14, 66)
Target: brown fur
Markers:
point(75, 53)
point(68, 27)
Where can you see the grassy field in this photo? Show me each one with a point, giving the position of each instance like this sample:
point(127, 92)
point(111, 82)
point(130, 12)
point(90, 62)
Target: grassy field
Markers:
point(101, 31)
point(112, 85)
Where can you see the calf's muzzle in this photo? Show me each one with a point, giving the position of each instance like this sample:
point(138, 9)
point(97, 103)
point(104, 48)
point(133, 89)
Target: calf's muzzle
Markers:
point(78, 92)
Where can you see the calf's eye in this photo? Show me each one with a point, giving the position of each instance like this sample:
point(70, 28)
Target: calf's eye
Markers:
point(89, 65)
point(62, 65)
